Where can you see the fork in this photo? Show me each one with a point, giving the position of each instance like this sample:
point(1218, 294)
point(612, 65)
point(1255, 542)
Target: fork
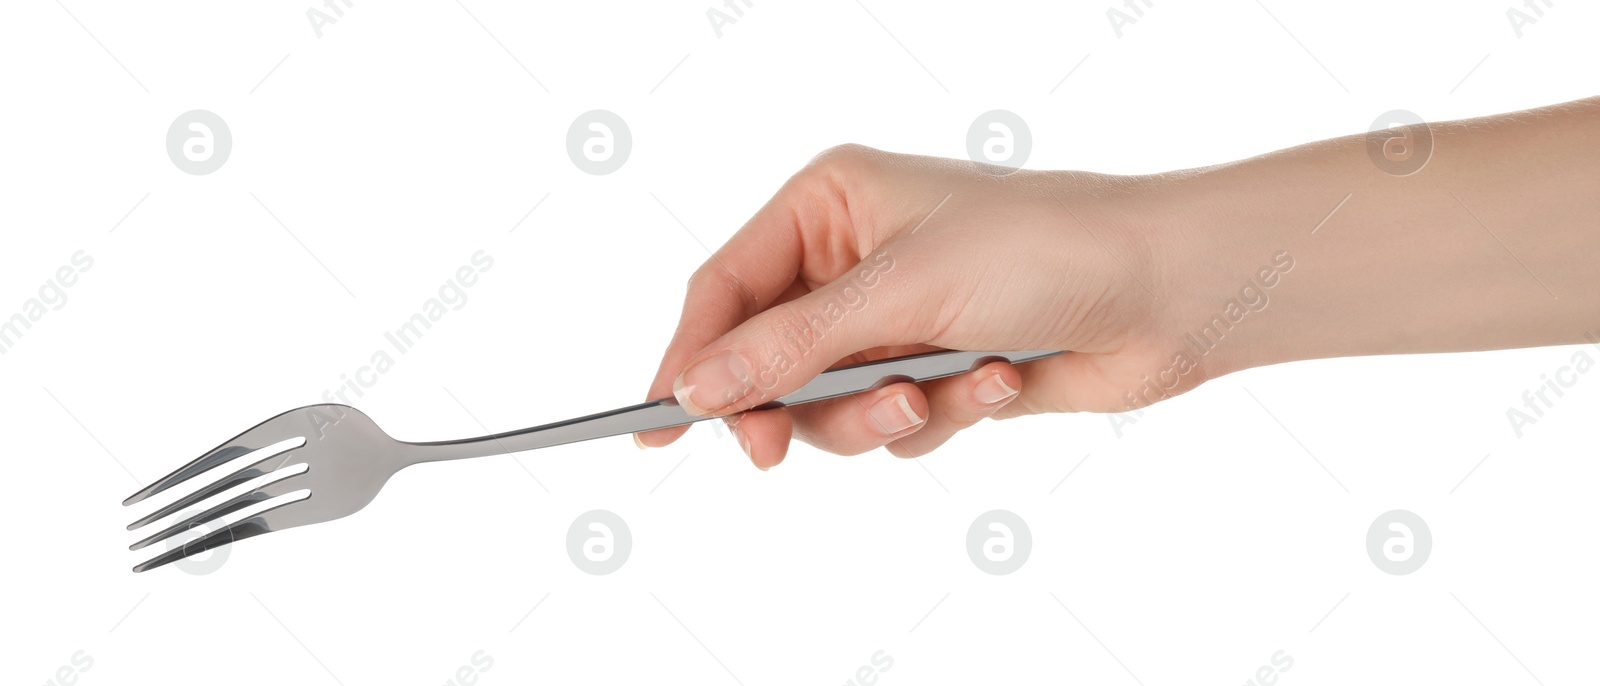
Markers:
point(348, 459)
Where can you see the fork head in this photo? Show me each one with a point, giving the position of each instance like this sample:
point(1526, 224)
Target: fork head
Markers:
point(346, 457)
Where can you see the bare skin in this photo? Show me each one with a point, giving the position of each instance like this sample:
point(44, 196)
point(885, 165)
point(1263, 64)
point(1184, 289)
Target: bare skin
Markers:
point(1155, 283)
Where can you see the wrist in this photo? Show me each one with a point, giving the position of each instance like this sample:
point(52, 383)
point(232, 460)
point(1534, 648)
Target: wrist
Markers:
point(1232, 243)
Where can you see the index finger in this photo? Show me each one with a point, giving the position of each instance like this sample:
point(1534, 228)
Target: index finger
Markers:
point(746, 275)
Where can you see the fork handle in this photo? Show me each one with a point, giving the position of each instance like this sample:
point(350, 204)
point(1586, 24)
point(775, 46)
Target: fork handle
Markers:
point(665, 413)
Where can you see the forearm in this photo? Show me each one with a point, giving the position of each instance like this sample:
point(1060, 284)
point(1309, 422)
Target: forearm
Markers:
point(1494, 243)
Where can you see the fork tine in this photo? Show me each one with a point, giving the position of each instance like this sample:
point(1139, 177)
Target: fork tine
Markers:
point(284, 460)
point(275, 518)
point(255, 438)
point(238, 531)
point(234, 504)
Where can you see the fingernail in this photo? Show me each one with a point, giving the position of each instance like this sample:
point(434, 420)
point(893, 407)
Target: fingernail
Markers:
point(893, 414)
point(993, 390)
point(712, 384)
point(744, 444)
point(638, 442)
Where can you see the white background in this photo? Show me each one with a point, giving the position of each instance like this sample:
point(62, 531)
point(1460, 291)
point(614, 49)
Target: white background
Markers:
point(1188, 550)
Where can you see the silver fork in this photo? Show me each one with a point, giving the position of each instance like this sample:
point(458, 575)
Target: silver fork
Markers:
point(348, 458)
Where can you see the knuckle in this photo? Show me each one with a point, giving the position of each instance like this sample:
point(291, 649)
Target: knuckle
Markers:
point(834, 166)
point(710, 272)
point(696, 278)
point(793, 326)
point(843, 155)
point(713, 275)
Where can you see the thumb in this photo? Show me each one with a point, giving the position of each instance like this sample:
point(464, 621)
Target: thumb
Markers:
point(783, 347)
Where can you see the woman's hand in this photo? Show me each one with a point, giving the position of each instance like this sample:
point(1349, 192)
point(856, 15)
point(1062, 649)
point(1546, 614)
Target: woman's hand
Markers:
point(1155, 283)
point(865, 254)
